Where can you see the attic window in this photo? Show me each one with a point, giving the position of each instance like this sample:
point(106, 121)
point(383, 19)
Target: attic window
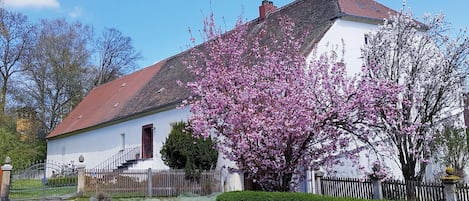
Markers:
point(123, 84)
point(375, 8)
point(160, 90)
point(115, 105)
point(81, 116)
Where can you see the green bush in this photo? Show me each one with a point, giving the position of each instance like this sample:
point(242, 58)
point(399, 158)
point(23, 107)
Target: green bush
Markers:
point(62, 181)
point(277, 196)
point(182, 151)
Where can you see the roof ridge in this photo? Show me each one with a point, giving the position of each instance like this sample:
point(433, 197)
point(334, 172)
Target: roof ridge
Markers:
point(130, 74)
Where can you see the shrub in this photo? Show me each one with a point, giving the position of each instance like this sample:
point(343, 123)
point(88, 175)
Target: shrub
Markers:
point(62, 181)
point(182, 151)
point(277, 196)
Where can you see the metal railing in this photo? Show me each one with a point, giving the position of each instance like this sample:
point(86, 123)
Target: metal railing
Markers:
point(463, 192)
point(413, 190)
point(43, 180)
point(391, 189)
point(347, 187)
point(121, 157)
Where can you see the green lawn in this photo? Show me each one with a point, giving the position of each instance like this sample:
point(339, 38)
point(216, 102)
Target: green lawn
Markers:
point(24, 189)
point(27, 188)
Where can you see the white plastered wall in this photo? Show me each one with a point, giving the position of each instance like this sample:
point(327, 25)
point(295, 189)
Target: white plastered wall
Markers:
point(99, 144)
point(350, 36)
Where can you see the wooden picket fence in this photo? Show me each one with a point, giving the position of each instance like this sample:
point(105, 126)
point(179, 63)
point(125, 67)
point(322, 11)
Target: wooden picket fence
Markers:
point(392, 189)
point(150, 182)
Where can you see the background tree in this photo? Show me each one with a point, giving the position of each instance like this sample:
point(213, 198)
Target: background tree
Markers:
point(16, 40)
point(116, 55)
point(429, 66)
point(45, 70)
point(273, 113)
point(182, 151)
point(451, 149)
point(57, 70)
point(21, 152)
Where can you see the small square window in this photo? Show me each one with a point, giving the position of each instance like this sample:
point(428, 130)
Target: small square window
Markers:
point(367, 38)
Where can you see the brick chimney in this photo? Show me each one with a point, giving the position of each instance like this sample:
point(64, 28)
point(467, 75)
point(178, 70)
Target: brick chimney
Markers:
point(266, 8)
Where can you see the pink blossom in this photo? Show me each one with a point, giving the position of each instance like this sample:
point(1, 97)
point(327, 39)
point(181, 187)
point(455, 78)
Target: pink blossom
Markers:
point(274, 113)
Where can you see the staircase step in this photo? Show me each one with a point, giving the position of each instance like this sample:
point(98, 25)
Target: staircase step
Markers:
point(127, 164)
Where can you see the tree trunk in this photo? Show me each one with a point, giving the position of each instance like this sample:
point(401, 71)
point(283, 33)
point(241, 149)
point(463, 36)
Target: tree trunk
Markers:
point(286, 181)
point(408, 171)
point(4, 96)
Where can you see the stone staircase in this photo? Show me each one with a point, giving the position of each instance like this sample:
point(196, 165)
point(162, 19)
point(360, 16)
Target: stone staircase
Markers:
point(121, 160)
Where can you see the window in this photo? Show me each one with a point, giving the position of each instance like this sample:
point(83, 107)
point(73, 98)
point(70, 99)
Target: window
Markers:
point(122, 141)
point(367, 38)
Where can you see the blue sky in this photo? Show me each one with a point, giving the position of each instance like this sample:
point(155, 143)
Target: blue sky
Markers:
point(159, 28)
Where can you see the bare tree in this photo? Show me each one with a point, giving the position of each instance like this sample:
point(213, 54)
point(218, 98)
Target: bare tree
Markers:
point(116, 55)
point(429, 65)
point(58, 70)
point(16, 39)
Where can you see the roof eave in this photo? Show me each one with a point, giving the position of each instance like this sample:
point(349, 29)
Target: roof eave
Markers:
point(118, 120)
point(375, 21)
point(356, 18)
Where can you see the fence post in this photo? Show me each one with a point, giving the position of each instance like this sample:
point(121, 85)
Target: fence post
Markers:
point(5, 186)
point(150, 185)
point(309, 180)
point(377, 188)
point(449, 182)
point(317, 180)
point(223, 180)
point(81, 176)
point(376, 177)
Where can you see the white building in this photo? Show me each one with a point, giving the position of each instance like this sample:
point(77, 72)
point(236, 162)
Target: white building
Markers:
point(132, 115)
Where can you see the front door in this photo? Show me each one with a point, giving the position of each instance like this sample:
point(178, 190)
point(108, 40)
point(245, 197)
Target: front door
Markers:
point(147, 141)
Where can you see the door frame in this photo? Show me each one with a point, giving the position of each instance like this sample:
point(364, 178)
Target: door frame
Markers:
point(147, 141)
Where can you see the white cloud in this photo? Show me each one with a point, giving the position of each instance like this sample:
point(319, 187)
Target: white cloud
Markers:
point(75, 12)
point(32, 3)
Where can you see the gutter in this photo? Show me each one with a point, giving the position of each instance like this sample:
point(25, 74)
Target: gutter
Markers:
point(369, 20)
point(146, 112)
point(357, 18)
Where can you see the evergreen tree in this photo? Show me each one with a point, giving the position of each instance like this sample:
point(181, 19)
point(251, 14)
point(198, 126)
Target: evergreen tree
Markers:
point(182, 151)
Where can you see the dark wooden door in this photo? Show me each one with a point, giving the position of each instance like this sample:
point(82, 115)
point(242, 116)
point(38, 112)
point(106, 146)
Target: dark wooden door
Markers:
point(147, 141)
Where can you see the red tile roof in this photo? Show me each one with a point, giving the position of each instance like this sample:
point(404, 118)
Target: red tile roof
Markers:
point(105, 102)
point(155, 87)
point(365, 8)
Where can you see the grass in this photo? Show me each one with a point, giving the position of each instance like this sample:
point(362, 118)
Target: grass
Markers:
point(29, 188)
point(26, 184)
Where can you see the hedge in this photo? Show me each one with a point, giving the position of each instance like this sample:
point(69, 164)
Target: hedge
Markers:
point(62, 181)
point(277, 196)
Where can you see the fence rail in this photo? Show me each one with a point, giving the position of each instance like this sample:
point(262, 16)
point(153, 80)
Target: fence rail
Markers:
point(151, 182)
point(462, 192)
point(392, 189)
point(400, 190)
point(43, 180)
point(346, 187)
